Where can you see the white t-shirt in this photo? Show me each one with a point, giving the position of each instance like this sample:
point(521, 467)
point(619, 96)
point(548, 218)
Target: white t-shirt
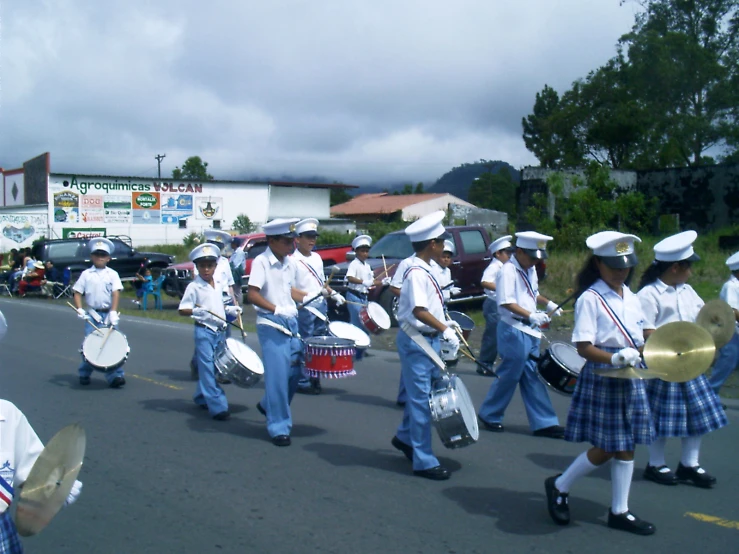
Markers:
point(664, 304)
point(397, 280)
point(274, 279)
point(594, 324)
point(443, 276)
point(19, 445)
point(222, 276)
point(360, 270)
point(310, 272)
point(200, 293)
point(490, 275)
point(98, 285)
point(516, 286)
point(730, 294)
point(420, 289)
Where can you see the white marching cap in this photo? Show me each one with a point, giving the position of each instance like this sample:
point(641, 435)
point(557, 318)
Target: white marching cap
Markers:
point(206, 250)
point(531, 240)
point(733, 261)
point(500, 244)
point(616, 249)
point(676, 248)
point(361, 240)
point(427, 228)
point(101, 243)
point(449, 247)
point(309, 225)
point(282, 226)
point(217, 235)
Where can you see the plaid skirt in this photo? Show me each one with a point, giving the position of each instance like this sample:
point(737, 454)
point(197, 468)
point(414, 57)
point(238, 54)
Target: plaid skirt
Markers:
point(10, 542)
point(689, 409)
point(612, 414)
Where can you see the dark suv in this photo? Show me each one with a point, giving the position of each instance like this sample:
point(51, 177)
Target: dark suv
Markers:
point(75, 254)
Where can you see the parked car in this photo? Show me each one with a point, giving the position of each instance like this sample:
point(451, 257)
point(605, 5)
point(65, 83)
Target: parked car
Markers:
point(75, 254)
point(178, 276)
point(468, 264)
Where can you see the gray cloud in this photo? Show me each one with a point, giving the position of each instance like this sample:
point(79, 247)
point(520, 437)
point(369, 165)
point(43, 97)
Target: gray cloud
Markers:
point(362, 90)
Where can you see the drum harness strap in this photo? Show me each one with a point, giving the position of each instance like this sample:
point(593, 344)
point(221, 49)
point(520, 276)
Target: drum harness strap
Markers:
point(281, 328)
point(416, 336)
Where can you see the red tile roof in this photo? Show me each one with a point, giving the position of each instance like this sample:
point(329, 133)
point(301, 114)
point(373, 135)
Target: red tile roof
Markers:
point(381, 203)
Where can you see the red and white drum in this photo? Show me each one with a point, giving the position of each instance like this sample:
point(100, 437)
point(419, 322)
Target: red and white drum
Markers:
point(329, 357)
point(374, 318)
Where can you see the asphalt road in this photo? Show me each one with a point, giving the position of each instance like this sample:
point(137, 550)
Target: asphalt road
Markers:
point(160, 476)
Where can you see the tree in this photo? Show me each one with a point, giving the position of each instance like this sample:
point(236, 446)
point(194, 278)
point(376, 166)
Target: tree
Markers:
point(339, 196)
point(194, 168)
point(494, 191)
point(242, 224)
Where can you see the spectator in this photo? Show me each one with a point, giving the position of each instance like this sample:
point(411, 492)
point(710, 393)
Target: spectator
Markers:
point(12, 263)
point(138, 282)
point(31, 281)
point(52, 277)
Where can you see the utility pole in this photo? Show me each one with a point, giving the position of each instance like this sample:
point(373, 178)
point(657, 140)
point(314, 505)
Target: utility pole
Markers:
point(159, 158)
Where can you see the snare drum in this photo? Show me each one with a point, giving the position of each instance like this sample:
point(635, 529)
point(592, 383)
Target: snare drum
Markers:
point(465, 322)
point(374, 318)
point(344, 330)
point(329, 357)
point(560, 366)
point(453, 413)
point(238, 363)
point(106, 349)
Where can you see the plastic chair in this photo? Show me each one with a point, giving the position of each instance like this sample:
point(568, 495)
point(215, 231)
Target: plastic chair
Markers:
point(65, 288)
point(156, 292)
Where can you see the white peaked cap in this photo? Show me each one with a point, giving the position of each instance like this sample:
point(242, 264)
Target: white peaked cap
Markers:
point(427, 228)
point(531, 240)
point(449, 246)
point(309, 225)
point(217, 235)
point(500, 244)
point(101, 243)
point(278, 227)
point(733, 262)
point(205, 251)
point(361, 240)
point(676, 248)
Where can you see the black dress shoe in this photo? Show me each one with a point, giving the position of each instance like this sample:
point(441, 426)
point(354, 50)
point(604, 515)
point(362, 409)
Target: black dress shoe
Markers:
point(281, 440)
point(696, 475)
point(438, 473)
point(400, 403)
point(629, 522)
point(315, 382)
point(85, 380)
point(662, 475)
point(558, 503)
point(494, 427)
point(117, 382)
point(261, 410)
point(485, 372)
point(222, 416)
point(405, 448)
point(308, 390)
point(553, 432)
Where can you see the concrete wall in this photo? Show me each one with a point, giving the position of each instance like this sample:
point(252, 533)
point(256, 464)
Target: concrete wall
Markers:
point(429, 206)
point(299, 202)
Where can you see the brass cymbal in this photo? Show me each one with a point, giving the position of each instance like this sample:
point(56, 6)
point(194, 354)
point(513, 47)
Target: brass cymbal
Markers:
point(679, 351)
point(717, 318)
point(50, 480)
point(628, 372)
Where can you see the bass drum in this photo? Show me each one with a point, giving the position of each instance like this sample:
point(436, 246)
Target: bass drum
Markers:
point(237, 362)
point(453, 413)
point(105, 349)
point(560, 366)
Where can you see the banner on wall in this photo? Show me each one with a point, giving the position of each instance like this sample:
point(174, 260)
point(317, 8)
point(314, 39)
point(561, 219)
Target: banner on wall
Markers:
point(14, 187)
point(66, 207)
point(176, 207)
point(117, 208)
point(21, 229)
point(79, 233)
point(92, 209)
point(146, 208)
point(209, 208)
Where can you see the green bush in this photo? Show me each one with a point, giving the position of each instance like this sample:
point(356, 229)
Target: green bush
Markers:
point(333, 237)
point(193, 239)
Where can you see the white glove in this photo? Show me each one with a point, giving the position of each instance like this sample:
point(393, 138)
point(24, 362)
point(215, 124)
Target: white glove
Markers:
point(340, 300)
point(81, 313)
point(626, 356)
point(233, 311)
point(325, 293)
point(386, 281)
point(538, 318)
point(553, 309)
point(74, 493)
point(451, 337)
point(368, 282)
point(287, 311)
point(455, 290)
point(200, 315)
point(451, 323)
point(114, 318)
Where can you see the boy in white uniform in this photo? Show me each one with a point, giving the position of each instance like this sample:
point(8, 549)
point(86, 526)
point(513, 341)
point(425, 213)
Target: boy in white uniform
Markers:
point(102, 288)
point(728, 356)
point(501, 250)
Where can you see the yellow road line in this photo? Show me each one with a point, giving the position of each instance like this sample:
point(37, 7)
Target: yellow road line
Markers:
point(173, 387)
point(713, 519)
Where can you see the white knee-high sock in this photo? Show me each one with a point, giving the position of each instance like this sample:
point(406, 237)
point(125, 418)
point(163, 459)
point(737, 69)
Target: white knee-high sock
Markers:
point(578, 468)
point(691, 451)
point(621, 473)
point(657, 453)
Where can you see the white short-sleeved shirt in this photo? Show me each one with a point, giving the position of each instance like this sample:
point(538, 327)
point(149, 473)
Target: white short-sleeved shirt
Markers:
point(98, 285)
point(310, 272)
point(594, 324)
point(19, 445)
point(360, 270)
point(662, 304)
point(223, 277)
point(397, 280)
point(420, 289)
point(516, 286)
point(200, 293)
point(238, 258)
point(443, 276)
point(730, 295)
point(274, 279)
point(490, 275)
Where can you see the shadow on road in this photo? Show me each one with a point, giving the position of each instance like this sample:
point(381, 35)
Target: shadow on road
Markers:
point(557, 464)
point(370, 400)
point(72, 381)
point(522, 513)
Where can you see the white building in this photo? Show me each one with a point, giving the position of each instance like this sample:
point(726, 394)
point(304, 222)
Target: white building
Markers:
point(39, 203)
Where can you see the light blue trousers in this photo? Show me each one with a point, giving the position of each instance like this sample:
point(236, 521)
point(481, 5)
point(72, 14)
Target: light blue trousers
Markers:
point(726, 362)
point(208, 392)
point(417, 373)
point(283, 358)
point(489, 349)
point(354, 319)
point(518, 368)
point(311, 326)
point(85, 369)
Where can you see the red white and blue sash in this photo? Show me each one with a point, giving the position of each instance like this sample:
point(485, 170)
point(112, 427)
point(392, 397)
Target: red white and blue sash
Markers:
point(6, 495)
point(431, 276)
point(621, 327)
point(526, 281)
point(313, 272)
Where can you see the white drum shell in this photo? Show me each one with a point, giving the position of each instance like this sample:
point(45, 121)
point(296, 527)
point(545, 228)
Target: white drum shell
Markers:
point(238, 363)
point(344, 330)
point(453, 413)
point(103, 352)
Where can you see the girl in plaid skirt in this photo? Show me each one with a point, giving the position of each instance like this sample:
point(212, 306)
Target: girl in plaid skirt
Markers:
point(687, 410)
point(611, 414)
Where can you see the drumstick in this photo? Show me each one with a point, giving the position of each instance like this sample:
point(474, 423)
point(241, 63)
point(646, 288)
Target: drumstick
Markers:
point(386, 270)
point(89, 320)
point(241, 326)
point(222, 319)
point(110, 332)
point(471, 354)
point(570, 297)
point(384, 263)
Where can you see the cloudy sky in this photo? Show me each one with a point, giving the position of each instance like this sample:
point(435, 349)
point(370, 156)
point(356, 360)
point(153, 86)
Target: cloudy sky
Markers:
point(363, 91)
